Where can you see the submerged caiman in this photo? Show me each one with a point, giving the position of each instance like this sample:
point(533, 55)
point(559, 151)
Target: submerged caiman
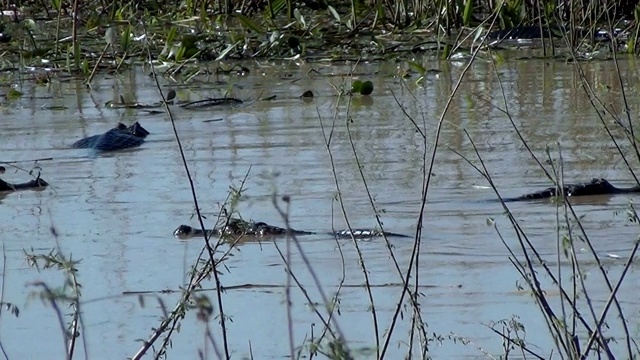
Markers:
point(594, 187)
point(241, 228)
point(33, 184)
point(118, 138)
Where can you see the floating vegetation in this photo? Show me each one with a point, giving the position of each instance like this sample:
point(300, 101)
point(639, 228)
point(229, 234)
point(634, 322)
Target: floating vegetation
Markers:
point(367, 88)
point(182, 34)
point(364, 88)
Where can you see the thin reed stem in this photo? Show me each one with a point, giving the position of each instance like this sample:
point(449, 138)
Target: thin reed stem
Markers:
point(212, 263)
point(425, 190)
point(338, 333)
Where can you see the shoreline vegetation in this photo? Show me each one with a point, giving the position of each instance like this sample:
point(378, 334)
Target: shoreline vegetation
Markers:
point(85, 37)
point(96, 35)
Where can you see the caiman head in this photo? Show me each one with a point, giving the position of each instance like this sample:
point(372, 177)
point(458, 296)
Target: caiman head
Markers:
point(184, 232)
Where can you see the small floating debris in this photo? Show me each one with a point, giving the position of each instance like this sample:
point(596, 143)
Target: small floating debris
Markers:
point(294, 44)
point(613, 256)
point(238, 69)
point(171, 95)
point(152, 112)
point(135, 105)
point(307, 94)
point(122, 104)
point(53, 107)
point(206, 103)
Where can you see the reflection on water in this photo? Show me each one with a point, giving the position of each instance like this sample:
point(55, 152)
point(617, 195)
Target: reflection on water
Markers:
point(117, 211)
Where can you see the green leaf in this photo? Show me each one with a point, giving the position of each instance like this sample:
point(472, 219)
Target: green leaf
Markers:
point(125, 40)
point(334, 13)
point(30, 24)
point(13, 94)
point(180, 53)
point(356, 86)
point(417, 67)
point(274, 8)
point(224, 52)
point(497, 57)
point(299, 18)
point(86, 69)
point(468, 12)
point(172, 34)
point(446, 52)
point(478, 35)
point(189, 41)
point(248, 23)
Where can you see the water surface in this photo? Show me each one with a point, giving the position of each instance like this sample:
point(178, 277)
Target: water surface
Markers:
point(116, 212)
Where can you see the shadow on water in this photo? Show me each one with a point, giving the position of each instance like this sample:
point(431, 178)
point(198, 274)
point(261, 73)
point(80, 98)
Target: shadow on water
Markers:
point(117, 211)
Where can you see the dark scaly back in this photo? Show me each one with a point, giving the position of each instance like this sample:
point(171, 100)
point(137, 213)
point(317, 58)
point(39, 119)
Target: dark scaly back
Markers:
point(120, 137)
point(116, 140)
point(33, 184)
point(594, 187)
point(86, 143)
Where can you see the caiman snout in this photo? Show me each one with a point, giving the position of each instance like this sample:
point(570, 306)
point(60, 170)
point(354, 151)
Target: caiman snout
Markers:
point(183, 232)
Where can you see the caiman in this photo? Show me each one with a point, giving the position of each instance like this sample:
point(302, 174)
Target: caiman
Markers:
point(118, 138)
point(594, 187)
point(33, 184)
point(241, 228)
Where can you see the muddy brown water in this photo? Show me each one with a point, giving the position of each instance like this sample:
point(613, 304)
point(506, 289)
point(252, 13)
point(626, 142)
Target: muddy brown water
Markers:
point(116, 212)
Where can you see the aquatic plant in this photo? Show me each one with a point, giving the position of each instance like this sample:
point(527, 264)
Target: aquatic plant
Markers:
point(186, 33)
point(69, 293)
